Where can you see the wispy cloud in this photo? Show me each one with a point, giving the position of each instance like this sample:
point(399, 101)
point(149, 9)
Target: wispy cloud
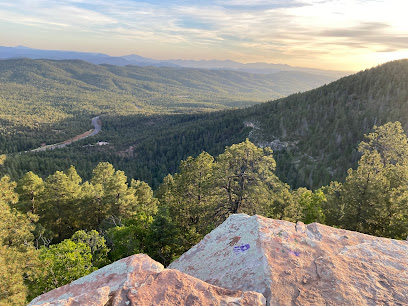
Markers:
point(290, 31)
point(369, 35)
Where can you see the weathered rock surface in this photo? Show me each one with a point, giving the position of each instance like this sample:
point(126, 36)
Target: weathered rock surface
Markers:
point(139, 280)
point(301, 265)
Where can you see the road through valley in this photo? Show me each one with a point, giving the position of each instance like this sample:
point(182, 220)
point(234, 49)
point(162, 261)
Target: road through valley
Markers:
point(96, 122)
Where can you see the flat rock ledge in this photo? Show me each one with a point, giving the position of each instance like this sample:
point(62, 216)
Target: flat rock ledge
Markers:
point(295, 264)
point(139, 280)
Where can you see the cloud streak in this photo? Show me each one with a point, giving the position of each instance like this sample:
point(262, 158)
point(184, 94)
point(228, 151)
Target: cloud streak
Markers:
point(299, 32)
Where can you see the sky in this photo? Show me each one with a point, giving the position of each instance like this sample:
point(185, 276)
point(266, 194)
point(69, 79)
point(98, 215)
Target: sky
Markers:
point(326, 34)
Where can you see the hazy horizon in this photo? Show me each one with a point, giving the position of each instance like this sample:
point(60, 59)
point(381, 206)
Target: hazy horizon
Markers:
point(170, 59)
point(323, 34)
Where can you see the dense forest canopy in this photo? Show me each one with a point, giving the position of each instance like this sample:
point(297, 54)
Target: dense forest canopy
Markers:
point(46, 101)
point(35, 92)
point(315, 134)
point(61, 228)
point(320, 129)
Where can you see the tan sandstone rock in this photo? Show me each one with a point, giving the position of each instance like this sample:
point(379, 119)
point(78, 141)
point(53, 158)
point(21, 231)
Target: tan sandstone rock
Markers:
point(139, 280)
point(300, 265)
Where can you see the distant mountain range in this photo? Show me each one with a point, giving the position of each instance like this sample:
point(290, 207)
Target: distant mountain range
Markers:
point(100, 58)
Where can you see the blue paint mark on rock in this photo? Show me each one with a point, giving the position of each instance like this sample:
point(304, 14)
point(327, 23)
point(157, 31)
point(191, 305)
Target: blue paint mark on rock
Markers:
point(241, 248)
point(294, 253)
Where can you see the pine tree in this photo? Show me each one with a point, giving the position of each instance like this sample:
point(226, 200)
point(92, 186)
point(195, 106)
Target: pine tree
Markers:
point(118, 199)
point(18, 259)
point(60, 205)
point(29, 188)
point(192, 197)
point(246, 183)
point(374, 197)
point(144, 203)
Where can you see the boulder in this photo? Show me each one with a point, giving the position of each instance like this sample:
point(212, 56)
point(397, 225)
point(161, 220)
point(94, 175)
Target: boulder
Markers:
point(295, 264)
point(139, 280)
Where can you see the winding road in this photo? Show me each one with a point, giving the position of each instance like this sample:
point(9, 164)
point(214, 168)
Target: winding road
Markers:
point(97, 128)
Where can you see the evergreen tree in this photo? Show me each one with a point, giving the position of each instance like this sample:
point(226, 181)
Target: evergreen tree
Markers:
point(144, 202)
point(246, 183)
point(29, 188)
point(18, 259)
point(388, 140)
point(374, 197)
point(311, 204)
point(118, 199)
point(60, 208)
point(192, 196)
point(167, 240)
point(94, 210)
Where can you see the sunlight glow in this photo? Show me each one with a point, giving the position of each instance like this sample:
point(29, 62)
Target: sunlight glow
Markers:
point(328, 34)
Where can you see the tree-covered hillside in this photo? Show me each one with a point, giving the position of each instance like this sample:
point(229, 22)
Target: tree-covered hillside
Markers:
point(35, 87)
point(319, 130)
point(45, 101)
point(314, 134)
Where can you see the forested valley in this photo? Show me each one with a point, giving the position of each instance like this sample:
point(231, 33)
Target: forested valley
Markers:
point(46, 101)
point(314, 135)
point(337, 155)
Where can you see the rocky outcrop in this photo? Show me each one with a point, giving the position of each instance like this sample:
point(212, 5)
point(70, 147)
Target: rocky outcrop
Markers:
point(139, 280)
point(246, 259)
point(300, 265)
